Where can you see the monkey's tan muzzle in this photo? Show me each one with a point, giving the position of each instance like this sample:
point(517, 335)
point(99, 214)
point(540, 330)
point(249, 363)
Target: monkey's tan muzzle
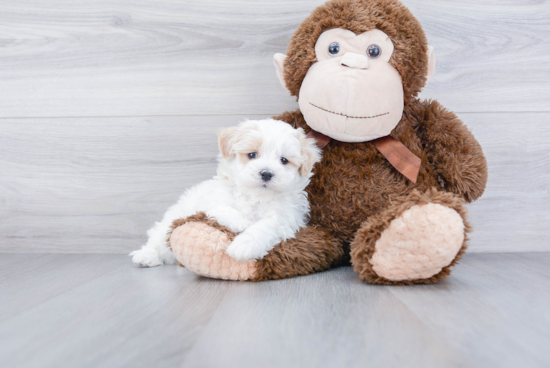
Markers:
point(356, 61)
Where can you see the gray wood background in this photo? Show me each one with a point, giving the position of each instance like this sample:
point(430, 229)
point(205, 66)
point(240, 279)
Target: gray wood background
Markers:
point(108, 109)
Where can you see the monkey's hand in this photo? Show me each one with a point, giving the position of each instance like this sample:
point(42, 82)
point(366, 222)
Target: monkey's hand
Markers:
point(453, 151)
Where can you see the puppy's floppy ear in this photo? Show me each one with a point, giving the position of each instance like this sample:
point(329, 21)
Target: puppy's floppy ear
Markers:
point(311, 154)
point(226, 139)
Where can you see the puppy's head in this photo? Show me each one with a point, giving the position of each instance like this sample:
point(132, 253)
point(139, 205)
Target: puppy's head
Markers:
point(268, 155)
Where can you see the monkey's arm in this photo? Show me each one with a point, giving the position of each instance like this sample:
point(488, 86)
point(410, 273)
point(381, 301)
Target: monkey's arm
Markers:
point(453, 151)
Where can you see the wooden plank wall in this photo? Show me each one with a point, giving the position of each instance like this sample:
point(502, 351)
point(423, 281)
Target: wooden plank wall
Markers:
point(108, 109)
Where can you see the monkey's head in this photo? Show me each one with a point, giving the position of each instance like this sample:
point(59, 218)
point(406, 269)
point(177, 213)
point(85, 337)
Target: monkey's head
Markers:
point(354, 65)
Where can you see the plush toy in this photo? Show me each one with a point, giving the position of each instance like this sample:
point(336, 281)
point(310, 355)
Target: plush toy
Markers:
point(396, 171)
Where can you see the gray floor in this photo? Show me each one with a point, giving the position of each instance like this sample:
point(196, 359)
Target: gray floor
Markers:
point(101, 311)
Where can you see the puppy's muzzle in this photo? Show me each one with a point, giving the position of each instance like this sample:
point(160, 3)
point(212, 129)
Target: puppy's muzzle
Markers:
point(266, 175)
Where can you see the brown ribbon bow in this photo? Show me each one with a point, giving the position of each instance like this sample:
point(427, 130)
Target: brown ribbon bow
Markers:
point(404, 161)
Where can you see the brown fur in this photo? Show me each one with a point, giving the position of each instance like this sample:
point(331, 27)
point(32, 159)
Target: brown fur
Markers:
point(354, 181)
point(311, 251)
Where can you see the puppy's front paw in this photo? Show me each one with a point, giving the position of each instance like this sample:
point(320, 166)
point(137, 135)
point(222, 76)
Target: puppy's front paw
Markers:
point(238, 225)
point(244, 248)
point(146, 257)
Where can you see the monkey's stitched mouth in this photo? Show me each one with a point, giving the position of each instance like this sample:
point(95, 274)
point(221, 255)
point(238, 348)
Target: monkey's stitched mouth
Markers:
point(347, 116)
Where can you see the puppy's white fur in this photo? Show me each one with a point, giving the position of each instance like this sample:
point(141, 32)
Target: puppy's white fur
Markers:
point(263, 212)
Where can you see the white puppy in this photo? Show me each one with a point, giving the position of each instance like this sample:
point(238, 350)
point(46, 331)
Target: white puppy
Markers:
point(258, 191)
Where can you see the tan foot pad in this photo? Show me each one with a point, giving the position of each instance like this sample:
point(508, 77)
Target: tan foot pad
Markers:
point(419, 243)
point(200, 248)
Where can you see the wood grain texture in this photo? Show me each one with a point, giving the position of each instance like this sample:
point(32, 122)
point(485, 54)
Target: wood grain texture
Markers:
point(127, 58)
point(36, 278)
point(95, 185)
point(76, 175)
point(514, 212)
point(121, 317)
point(492, 312)
point(511, 287)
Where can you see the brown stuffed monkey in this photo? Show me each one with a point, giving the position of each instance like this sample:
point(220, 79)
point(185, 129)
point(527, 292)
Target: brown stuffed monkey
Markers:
point(389, 193)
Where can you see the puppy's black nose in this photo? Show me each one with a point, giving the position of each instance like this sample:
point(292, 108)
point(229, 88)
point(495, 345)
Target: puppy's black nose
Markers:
point(266, 175)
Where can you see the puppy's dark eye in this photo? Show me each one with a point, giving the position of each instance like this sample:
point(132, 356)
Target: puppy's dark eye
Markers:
point(252, 155)
point(334, 49)
point(284, 161)
point(374, 51)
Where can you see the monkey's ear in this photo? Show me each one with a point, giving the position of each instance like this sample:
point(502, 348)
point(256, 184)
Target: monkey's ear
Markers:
point(431, 63)
point(226, 139)
point(279, 61)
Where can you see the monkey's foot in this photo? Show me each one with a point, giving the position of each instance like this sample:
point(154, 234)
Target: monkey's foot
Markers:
point(416, 240)
point(199, 244)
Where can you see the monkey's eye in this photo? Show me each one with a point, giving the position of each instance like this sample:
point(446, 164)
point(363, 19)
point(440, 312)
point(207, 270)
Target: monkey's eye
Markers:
point(334, 49)
point(252, 155)
point(284, 161)
point(374, 51)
